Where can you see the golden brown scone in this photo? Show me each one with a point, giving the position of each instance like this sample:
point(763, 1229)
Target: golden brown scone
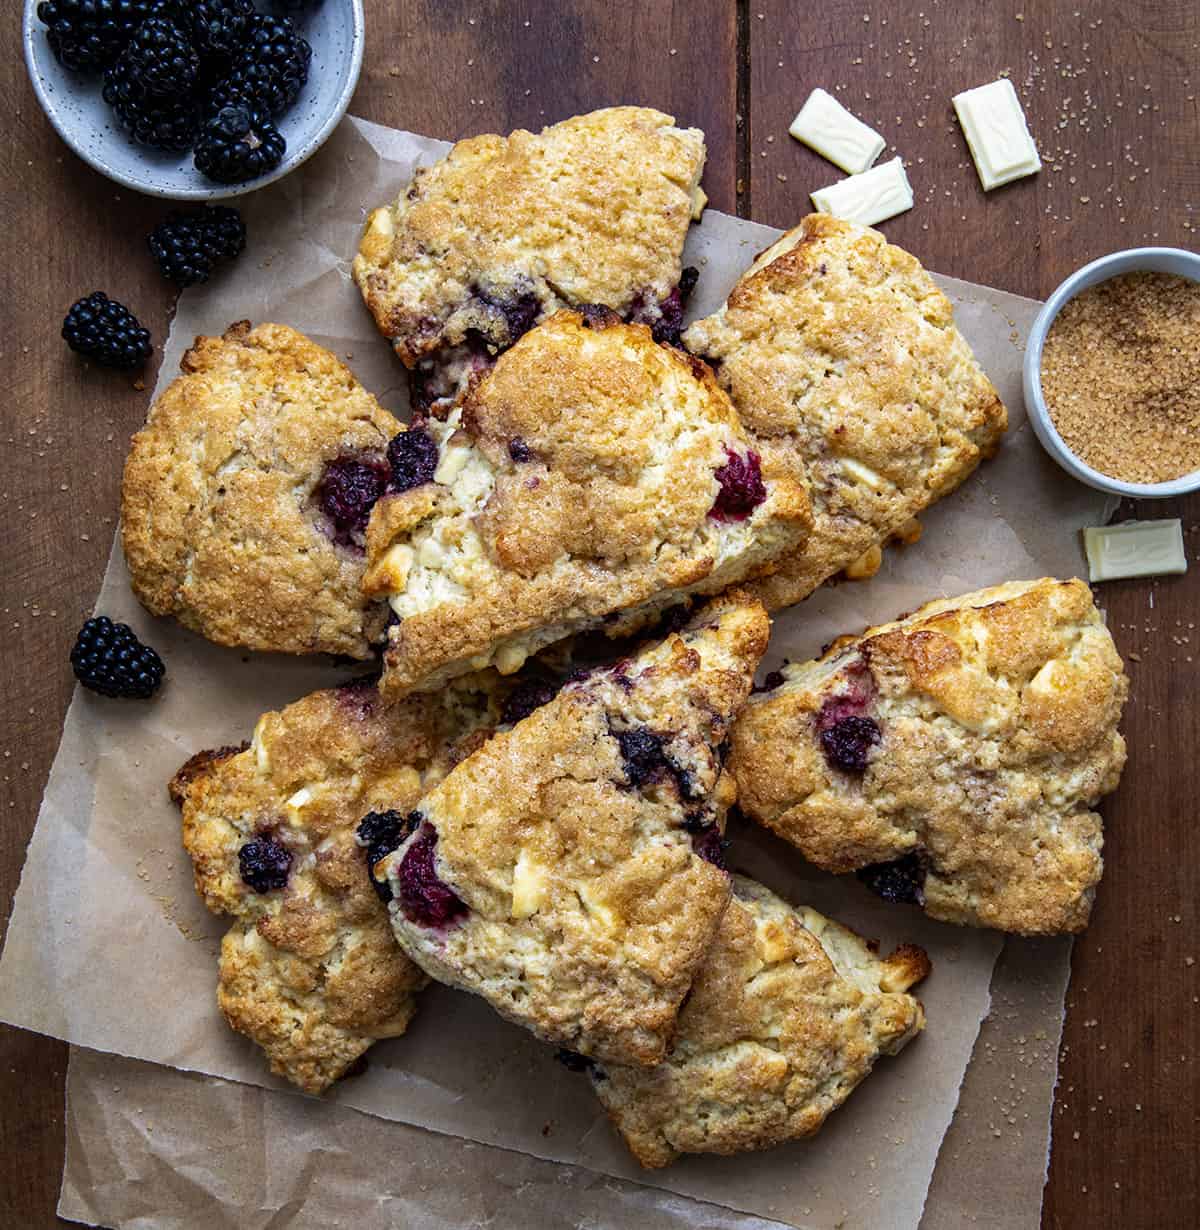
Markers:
point(593, 472)
point(565, 872)
point(309, 969)
point(224, 505)
point(843, 360)
point(787, 1015)
point(955, 755)
point(504, 231)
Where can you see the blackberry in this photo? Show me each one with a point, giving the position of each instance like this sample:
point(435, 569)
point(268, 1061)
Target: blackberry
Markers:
point(187, 246)
point(901, 881)
point(424, 897)
point(346, 494)
point(573, 1061)
point(264, 864)
point(90, 34)
point(413, 456)
point(238, 143)
point(742, 488)
point(107, 332)
point(528, 695)
point(270, 69)
point(161, 61)
point(219, 27)
point(665, 316)
point(379, 833)
point(162, 123)
point(848, 741)
point(519, 451)
point(710, 845)
point(108, 658)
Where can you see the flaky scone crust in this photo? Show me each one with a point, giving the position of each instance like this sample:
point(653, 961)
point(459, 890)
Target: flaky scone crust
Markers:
point(788, 1013)
point(844, 362)
point(592, 210)
point(608, 510)
point(311, 972)
point(589, 911)
point(997, 714)
point(217, 513)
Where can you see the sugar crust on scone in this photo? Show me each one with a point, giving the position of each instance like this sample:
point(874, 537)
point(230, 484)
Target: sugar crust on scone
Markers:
point(843, 360)
point(983, 731)
point(785, 1018)
point(580, 480)
point(571, 846)
point(218, 518)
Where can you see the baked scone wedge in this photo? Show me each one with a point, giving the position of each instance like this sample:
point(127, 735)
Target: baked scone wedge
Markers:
point(593, 472)
point(844, 362)
point(309, 969)
point(504, 231)
point(245, 496)
point(787, 1015)
point(565, 872)
point(953, 757)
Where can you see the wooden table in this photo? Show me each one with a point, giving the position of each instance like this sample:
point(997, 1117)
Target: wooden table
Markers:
point(1111, 93)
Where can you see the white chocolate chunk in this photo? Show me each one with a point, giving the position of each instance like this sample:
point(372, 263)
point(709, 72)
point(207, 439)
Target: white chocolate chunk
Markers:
point(869, 198)
point(531, 882)
point(824, 125)
point(1134, 549)
point(995, 127)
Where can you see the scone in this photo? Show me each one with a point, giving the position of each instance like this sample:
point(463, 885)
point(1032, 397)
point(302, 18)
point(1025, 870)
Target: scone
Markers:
point(953, 757)
point(593, 476)
point(245, 497)
point(309, 969)
point(844, 363)
point(568, 871)
point(788, 1013)
point(504, 231)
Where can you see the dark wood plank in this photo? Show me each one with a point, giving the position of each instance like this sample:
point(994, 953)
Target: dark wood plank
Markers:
point(1110, 91)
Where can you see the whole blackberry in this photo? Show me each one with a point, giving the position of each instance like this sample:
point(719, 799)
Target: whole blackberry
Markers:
point(162, 123)
point(108, 658)
point(264, 864)
point(219, 26)
point(269, 71)
point(186, 247)
point(106, 331)
point(413, 456)
point(238, 143)
point(161, 61)
point(90, 34)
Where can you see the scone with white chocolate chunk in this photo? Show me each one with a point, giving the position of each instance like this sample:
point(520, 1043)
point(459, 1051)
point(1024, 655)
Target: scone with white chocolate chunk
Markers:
point(844, 363)
point(504, 231)
point(787, 1015)
point(245, 497)
point(593, 472)
point(953, 757)
point(566, 871)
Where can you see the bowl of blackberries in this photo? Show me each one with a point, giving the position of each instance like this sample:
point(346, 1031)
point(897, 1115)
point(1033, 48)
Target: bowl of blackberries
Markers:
point(194, 99)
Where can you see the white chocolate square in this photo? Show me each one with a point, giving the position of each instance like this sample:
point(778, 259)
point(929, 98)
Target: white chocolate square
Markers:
point(874, 196)
point(824, 125)
point(1134, 549)
point(994, 124)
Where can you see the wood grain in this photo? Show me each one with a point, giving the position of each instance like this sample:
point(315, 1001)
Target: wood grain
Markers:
point(451, 70)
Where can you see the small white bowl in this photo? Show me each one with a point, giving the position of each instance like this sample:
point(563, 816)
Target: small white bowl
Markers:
point(85, 122)
point(1132, 260)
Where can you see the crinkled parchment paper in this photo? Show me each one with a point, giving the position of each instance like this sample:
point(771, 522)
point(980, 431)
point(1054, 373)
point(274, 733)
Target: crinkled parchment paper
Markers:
point(109, 948)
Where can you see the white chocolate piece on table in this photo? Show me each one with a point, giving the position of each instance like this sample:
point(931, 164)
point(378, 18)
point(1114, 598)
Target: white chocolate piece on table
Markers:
point(1134, 549)
point(824, 125)
point(995, 127)
point(869, 198)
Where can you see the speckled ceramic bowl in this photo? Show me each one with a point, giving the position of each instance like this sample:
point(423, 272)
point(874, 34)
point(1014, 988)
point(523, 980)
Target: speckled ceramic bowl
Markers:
point(84, 121)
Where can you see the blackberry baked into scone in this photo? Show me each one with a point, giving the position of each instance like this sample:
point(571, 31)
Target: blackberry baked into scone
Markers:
point(309, 969)
point(594, 477)
point(245, 497)
point(843, 360)
point(953, 757)
point(787, 1015)
point(504, 231)
point(568, 871)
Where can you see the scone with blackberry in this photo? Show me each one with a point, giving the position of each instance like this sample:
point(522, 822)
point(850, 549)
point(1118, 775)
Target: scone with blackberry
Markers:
point(843, 360)
point(245, 498)
point(569, 871)
point(504, 231)
point(953, 757)
point(788, 1014)
point(594, 478)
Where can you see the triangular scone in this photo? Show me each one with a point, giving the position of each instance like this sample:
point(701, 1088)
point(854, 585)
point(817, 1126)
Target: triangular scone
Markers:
point(310, 970)
point(786, 1016)
point(844, 362)
point(229, 489)
point(593, 473)
point(563, 872)
point(955, 756)
point(504, 231)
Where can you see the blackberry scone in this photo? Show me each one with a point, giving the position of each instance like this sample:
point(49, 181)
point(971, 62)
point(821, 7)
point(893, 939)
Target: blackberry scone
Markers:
point(245, 499)
point(504, 231)
point(788, 1014)
point(844, 363)
point(952, 758)
point(592, 479)
point(570, 870)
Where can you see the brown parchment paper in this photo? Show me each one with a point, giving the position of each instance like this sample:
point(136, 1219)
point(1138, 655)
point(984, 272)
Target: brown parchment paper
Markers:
point(109, 948)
